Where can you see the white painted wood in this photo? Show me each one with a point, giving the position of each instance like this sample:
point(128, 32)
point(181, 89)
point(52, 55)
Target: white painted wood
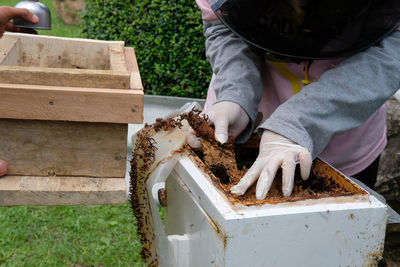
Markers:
point(346, 231)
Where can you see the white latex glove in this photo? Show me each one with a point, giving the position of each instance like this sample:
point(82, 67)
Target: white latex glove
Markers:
point(275, 151)
point(228, 118)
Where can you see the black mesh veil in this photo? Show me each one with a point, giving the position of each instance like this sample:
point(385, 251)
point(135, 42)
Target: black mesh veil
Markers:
point(310, 29)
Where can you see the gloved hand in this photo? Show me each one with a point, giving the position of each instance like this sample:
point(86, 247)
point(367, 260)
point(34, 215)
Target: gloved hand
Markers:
point(228, 118)
point(275, 151)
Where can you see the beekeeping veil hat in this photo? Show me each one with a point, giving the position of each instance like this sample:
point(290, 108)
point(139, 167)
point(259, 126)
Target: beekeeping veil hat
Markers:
point(309, 29)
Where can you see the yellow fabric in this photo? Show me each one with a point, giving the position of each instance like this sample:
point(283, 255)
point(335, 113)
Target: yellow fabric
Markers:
point(306, 81)
point(294, 81)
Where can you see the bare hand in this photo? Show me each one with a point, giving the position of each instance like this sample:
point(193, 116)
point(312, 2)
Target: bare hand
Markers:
point(7, 13)
point(3, 167)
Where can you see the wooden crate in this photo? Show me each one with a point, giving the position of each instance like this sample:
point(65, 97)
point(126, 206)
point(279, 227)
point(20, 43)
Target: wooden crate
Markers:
point(65, 105)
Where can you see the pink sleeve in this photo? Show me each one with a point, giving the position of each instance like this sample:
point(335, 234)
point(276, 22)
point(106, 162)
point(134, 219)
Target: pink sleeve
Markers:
point(206, 10)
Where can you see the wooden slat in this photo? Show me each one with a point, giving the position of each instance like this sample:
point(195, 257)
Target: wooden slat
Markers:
point(59, 52)
point(117, 59)
point(9, 50)
point(131, 63)
point(42, 148)
point(30, 191)
point(65, 77)
point(39, 102)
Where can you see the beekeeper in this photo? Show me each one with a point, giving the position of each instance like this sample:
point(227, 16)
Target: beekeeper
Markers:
point(6, 14)
point(318, 72)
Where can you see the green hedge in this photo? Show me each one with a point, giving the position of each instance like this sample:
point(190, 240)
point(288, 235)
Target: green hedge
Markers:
point(167, 37)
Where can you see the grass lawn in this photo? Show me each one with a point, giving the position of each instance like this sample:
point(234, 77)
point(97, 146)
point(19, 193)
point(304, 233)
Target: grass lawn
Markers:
point(102, 235)
point(68, 236)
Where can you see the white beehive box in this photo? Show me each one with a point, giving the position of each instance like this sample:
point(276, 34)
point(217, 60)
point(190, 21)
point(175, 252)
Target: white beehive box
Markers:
point(203, 227)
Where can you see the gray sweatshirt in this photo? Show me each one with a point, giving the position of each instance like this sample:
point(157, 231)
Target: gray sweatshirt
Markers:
point(342, 99)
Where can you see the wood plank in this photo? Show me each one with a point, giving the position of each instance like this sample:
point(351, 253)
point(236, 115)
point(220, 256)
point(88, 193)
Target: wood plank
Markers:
point(9, 50)
point(65, 77)
point(31, 191)
point(57, 148)
point(60, 52)
point(38, 102)
point(117, 59)
point(132, 66)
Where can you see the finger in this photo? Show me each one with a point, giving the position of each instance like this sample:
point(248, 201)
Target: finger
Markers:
point(3, 167)
point(305, 159)
point(12, 12)
point(267, 177)
point(192, 139)
point(207, 118)
point(288, 171)
point(221, 124)
point(10, 27)
point(249, 178)
point(210, 115)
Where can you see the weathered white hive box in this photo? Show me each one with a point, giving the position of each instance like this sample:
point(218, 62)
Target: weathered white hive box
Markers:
point(65, 105)
point(204, 226)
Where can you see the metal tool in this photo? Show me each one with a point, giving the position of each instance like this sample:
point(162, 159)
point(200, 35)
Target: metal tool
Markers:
point(37, 8)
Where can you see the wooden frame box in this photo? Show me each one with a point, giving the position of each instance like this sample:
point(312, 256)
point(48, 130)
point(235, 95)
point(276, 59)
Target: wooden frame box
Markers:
point(65, 105)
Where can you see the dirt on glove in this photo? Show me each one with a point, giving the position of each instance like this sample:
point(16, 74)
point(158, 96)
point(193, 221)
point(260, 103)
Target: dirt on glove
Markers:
point(227, 164)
